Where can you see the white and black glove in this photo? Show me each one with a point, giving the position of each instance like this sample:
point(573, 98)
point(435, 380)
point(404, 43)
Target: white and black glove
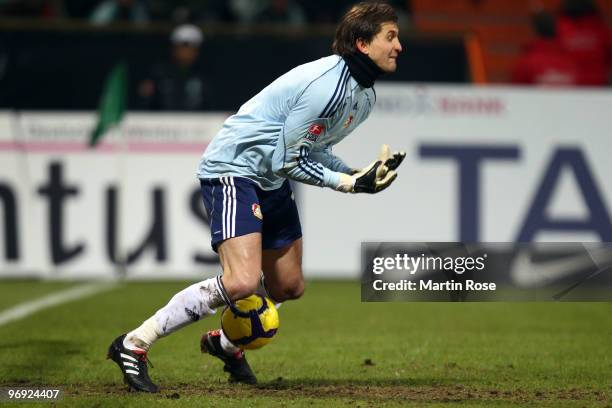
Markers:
point(389, 160)
point(369, 180)
point(376, 176)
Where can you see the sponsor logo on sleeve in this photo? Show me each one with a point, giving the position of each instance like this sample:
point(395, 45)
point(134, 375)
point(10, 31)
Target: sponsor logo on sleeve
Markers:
point(348, 122)
point(314, 131)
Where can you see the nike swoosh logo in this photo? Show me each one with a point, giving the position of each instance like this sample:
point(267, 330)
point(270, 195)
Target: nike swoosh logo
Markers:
point(526, 273)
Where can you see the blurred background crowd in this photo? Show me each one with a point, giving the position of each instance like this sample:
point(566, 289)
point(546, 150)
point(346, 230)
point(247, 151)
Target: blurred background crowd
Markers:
point(214, 54)
point(294, 12)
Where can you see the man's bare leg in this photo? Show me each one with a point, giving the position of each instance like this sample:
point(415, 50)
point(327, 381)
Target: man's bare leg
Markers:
point(282, 269)
point(241, 263)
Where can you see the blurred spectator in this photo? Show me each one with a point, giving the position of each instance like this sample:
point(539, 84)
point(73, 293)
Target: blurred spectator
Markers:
point(283, 11)
point(80, 8)
point(246, 11)
point(177, 12)
point(326, 12)
point(330, 12)
point(177, 85)
point(31, 8)
point(111, 11)
point(584, 34)
point(544, 61)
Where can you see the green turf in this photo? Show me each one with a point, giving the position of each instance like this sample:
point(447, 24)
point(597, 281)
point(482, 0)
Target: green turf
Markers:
point(15, 292)
point(331, 350)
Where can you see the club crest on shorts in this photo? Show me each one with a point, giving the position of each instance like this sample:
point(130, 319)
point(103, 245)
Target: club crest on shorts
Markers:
point(314, 131)
point(257, 211)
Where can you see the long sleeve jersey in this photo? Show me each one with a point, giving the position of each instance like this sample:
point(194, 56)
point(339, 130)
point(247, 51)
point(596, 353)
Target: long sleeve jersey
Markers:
point(288, 129)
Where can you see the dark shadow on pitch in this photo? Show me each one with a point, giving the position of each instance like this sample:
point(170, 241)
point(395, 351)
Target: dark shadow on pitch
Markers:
point(297, 383)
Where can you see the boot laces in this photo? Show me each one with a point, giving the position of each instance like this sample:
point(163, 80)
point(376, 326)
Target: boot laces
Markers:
point(142, 356)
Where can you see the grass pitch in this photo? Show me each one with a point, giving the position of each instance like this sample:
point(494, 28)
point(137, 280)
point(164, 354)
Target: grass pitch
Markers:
point(331, 350)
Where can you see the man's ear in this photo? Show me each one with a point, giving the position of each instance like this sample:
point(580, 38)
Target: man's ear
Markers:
point(362, 46)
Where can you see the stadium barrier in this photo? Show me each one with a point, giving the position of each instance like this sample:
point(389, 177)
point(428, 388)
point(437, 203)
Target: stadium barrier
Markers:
point(484, 164)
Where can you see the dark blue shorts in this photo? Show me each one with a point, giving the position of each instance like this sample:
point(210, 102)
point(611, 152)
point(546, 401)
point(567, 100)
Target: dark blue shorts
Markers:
point(237, 206)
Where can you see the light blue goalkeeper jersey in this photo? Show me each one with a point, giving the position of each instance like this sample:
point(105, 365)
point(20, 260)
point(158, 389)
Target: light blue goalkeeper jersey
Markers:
point(288, 129)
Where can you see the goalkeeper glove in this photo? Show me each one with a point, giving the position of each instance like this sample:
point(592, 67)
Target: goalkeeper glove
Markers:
point(367, 180)
point(389, 161)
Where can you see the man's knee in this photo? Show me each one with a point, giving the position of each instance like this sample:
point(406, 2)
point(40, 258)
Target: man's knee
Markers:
point(241, 262)
point(297, 290)
point(239, 286)
point(288, 291)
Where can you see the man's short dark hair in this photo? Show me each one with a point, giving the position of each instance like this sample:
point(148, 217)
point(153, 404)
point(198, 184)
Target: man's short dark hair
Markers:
point(364, 21)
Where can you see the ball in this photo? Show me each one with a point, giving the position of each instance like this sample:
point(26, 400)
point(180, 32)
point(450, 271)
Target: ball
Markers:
point(250, 323)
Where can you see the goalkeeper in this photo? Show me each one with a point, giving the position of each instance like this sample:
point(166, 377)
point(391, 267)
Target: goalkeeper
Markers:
point(286, 132)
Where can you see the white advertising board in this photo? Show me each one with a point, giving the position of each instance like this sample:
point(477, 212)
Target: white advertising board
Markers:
point(483, 164)
point(488, 164)
point(78, 209)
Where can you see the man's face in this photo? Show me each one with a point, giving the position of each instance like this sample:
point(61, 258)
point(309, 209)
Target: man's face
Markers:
point(384, 47)
point(185, 54)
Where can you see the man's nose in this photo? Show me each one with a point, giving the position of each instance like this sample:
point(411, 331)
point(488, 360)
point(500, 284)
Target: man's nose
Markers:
point(398, 46)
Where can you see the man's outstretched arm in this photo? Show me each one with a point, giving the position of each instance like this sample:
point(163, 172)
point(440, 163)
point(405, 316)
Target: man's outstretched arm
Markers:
point(303, 126)
point(327, 158)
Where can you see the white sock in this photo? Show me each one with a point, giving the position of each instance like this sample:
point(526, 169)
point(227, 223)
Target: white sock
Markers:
point(189, 305)
point(144, 336)
point(227, 345)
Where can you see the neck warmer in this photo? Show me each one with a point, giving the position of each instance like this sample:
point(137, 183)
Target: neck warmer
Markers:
point(362, 68)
